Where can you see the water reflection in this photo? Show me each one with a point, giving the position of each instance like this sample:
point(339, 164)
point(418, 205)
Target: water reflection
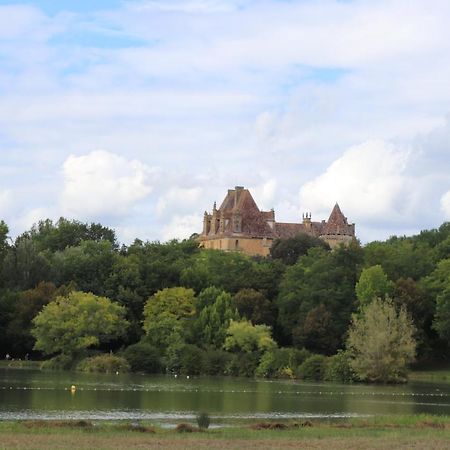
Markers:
point(36, 394)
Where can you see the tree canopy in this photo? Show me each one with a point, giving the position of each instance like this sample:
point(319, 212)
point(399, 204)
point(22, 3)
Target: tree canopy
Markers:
point(70, 324)
point(381, 342)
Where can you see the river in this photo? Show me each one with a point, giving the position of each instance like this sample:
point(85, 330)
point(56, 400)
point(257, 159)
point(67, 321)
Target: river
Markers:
point(34, 394)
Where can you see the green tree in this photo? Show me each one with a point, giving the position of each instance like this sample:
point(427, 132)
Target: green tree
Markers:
point(373, 283)
point(89, 265)
point(161, 264)
point(381, 342)
point(319, 278)
point(69, 325)
point(28, 304)
point(214, 320)
point(166, 315)
point(245, 337)
point(228, 271)
point(254, 306)
point(66, 233)
point(400, 257)
point(442, 318)
point(290, 249)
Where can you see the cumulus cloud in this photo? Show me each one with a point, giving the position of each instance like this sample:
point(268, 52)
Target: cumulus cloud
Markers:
point(5, 201)
point(265, 193)
point(369, 181)
point(185, 6)
point(445, 205)
point(102, 183)
point(181, 227)
point(178, 199)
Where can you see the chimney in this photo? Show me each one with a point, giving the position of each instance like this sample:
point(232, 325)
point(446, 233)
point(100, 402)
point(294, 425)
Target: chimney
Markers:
point(237, 193)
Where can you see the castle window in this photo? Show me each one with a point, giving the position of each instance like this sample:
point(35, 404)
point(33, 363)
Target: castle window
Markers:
point(236, 244)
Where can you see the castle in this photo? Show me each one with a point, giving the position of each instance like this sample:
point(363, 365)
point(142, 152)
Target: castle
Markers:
point(239, 225)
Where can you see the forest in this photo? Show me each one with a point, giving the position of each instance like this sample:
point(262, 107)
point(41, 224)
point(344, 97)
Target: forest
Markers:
point(73, 297)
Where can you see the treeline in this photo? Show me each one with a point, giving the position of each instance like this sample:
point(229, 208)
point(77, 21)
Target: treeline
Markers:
point(179, 308)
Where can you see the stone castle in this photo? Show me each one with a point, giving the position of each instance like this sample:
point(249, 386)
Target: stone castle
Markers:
point(239, 225)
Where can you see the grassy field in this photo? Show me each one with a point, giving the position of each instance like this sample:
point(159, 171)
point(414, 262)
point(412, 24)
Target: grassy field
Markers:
point(436, 374)
point(397, 432)
point(20, 364)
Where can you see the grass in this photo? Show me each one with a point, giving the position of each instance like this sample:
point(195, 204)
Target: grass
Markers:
point(20, 364)
point(439, 374)
point(421, 431)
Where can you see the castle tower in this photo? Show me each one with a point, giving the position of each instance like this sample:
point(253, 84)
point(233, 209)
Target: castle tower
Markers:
point(337, 230)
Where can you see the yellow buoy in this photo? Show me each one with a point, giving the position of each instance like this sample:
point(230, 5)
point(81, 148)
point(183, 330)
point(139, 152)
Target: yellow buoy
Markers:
point(73, 388)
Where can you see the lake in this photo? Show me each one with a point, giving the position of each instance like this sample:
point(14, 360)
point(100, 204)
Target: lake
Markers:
point(34, 394)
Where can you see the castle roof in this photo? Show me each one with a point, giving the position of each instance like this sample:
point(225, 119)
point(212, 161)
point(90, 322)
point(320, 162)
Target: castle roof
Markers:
point(239, 215)
point(239, 202)
point(337, 222)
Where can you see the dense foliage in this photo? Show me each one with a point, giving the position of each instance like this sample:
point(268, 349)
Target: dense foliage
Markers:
point(66, 287)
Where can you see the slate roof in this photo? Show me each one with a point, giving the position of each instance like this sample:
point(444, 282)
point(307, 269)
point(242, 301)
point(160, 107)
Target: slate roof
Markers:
point(256, 223)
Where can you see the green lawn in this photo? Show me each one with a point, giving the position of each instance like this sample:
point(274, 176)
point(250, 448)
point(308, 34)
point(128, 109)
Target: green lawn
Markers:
point(430, 432)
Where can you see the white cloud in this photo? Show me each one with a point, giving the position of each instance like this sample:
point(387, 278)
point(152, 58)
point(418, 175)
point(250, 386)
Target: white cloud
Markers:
point(181, 227)
point(369, 181)
point(185, 6)
point(5, 201)
point(33, 216)
point(445, 205)
point(103, 183)
point(265, 193)
point(178, 199)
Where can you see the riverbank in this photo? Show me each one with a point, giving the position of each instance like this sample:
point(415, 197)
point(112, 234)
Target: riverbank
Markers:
point(389, 432)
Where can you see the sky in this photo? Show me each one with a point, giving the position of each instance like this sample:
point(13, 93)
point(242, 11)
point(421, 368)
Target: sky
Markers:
point(139, 114)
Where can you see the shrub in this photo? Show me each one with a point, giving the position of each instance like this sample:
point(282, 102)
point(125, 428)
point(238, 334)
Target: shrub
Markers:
point(143, 357)
point(60, 362)
point(105, 363)
point(191, 360)
point(215, 362)
point(313, 368)
point(243, 364)
point(338, 368)
point(280, 363)
point(203, 420)
point(185, 428)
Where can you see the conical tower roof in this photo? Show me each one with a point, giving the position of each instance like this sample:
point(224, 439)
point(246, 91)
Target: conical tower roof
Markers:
point(336, 216)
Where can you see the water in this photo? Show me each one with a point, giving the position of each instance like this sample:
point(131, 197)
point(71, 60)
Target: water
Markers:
point(32, 394)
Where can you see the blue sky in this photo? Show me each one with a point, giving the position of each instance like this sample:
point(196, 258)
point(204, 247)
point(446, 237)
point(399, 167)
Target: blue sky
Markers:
point(140, 113)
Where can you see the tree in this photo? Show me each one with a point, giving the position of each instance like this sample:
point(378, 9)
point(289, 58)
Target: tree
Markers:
point(442, 318)
point(400, 257)
point(245, 337)
point(66, 233)
point(290, 249)
point(89, 265)
point(71, 324)
point(166, 314)
point(228, 271)
point(28, 304)
point(214, 320)
point(373, 283)
point(380, 342)
point(254, 306)
point(320, 277)
point(317, 332)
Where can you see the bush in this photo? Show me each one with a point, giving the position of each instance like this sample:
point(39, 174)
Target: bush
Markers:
point(105, 363)
point(60, 362)
point(243, 364)
point(143, 357)
point(215, 362)
point(191, 360)
point(203, 420)
point(313, 368)
point(338, 368)
point(280, 363)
